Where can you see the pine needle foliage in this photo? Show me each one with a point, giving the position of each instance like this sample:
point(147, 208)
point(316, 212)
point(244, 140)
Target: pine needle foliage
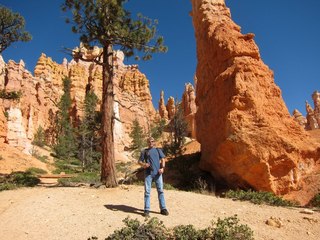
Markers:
point(11, 28)
point(89, 139)
point(65, 147)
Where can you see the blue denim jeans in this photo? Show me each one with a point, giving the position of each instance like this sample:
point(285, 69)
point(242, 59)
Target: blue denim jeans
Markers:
point(147, 189)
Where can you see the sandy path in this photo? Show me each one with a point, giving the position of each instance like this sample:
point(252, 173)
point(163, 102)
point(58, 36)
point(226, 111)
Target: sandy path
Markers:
point(79, 213)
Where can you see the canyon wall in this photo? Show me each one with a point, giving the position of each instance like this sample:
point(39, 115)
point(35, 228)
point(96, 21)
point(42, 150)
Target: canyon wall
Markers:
point(41, 93)
point(247, 136)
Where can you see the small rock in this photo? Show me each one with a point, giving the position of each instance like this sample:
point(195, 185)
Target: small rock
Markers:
point(274, 222)
point(307, 211)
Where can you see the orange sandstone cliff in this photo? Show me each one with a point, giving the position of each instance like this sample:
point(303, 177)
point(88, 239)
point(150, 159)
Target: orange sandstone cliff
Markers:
point(19, 119)
point(247, 136)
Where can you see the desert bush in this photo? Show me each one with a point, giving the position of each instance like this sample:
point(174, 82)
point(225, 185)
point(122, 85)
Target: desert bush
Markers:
point(224, 229)
point(34, 171)
point(189, 232)
point(315, 201)
point(86, 177)
point(18, 179)
point(230, 229)
point(70, 166)
point(14, 95)
point(39, 137)
point(258, 197)
point(151, 229)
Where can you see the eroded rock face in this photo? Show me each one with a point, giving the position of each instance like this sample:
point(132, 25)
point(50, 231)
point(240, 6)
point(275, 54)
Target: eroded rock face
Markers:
point(162, 107)
point(42, 92)
point(171, 107)
point(247, 136)
point(189, 108)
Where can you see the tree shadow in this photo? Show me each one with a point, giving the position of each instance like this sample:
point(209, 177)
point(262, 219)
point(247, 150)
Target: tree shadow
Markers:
point(125, 208)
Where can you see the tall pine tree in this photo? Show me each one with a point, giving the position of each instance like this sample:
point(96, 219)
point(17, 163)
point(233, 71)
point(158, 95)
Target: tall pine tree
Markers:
point(106, 23)
point(65, 148)
point(89, 139)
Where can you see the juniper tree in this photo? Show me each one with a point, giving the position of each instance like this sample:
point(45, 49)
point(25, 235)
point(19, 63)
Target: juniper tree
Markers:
point(108, 24)
point(11, 28)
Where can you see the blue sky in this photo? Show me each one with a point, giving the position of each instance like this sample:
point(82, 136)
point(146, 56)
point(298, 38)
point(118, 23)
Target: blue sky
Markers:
point(287, 34)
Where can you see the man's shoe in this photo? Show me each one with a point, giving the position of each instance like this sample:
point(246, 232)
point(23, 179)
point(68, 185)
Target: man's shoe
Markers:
point(146, 214)
point(164, 212)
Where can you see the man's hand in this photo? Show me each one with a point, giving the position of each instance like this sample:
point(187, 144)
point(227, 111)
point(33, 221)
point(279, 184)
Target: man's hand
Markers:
point(146, 165)
point(161, 170)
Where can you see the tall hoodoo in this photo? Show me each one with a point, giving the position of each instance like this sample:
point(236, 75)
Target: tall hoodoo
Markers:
point(247, 135)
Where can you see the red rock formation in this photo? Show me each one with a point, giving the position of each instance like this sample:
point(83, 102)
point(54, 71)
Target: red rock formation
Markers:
point(162, 107)
point(171, 108)
point(247, 135)
point(299, 118)
point(41, 93)
point(189, 108)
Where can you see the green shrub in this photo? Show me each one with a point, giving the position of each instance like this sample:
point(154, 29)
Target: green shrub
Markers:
point(14, 95)
point(225, 229)
point(258, 197)
point(25, 179)
point(189, 232)
point(152, 229)
point(70, 166)
point(315, 201)
point(39, 137)
point(229, 229)
point(7, 186)
point(35, 171)
point(86, 177)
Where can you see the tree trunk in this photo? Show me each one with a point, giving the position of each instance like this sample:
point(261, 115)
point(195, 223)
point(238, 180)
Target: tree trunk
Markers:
point(108, 173)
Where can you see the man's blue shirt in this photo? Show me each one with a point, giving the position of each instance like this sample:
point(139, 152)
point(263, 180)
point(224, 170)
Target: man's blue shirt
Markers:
point(153, 157)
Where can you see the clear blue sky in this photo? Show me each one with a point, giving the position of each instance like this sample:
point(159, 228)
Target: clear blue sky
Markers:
point(287, 33)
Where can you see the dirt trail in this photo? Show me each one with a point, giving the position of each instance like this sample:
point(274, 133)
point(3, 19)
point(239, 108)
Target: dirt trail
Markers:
point(79, 213)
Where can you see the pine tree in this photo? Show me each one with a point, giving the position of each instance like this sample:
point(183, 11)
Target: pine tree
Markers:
point(157, 128)
point(89, 133)
point(11, 28)
point(39, 138)
point(65, 147)
point(108, 24)
point(178, 128)
point(137, 135)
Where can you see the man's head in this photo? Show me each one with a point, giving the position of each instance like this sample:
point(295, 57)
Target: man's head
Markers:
point(150, 141)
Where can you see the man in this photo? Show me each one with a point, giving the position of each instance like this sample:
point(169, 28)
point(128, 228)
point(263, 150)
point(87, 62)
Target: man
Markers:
point(153, 161)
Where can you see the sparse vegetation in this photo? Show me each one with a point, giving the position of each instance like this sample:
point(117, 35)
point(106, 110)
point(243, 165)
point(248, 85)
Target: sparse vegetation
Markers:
point(13, 95)
point(157, 128)
point(178, 128)
point(258, 198)
point(39, 137)
point(137, 135)
point(35, 171)
point(225, 229)
point(73, 165)
point(315, 201)
point(35, 153)
point(18, 179)
point(85, 178)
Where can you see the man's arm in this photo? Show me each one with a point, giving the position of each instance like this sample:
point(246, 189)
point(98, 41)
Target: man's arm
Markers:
point(141, 161)
point(162, 165)
point(144, 165)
